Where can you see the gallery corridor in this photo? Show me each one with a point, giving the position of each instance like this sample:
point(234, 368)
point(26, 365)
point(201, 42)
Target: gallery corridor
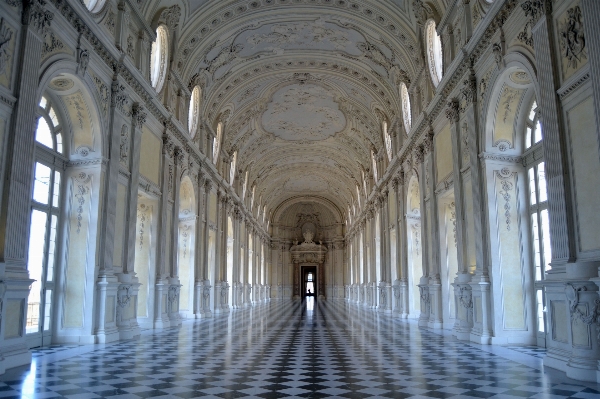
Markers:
point(291, 349)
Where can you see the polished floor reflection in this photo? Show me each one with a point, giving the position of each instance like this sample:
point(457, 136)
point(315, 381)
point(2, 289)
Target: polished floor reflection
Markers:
point(291, 349)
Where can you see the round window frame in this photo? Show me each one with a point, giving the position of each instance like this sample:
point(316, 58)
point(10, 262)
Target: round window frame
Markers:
point(435, 59)
point(162, 44)
point(406, 107)
point(194, 111)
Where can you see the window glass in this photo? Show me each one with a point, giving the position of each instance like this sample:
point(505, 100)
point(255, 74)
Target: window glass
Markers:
point(540, 311)
point(43, 102)
point(538, 132)
point(41, 185)
point(35, 262)
point(43, 134)
point(51, 248)
point(406, 111)
point(532, 196)
point(94, 5)
point(217, 142)
point(543, 191)
point(536, 246)
point(56, 189)
point(532, 111)
point(434, 52)
point(53, 117)
point(59, 143)
point(159, 58)
point(194, 111)
point(545, 220)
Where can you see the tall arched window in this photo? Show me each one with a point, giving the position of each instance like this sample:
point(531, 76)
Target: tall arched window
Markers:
point(94, 5)
point(388, 140)
point(538, 206)
point(533, 134)
point(159, 58)
point(217, 142)
point(45, 213)
point(233, 166)
point(434, 52)
point(194, 111)
point(406, 111)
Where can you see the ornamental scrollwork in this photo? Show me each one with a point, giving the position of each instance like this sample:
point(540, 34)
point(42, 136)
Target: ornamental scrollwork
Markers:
point(173, 294)
point(5, 37)
point(465, 298)
point(124, 296)
point(572, 39)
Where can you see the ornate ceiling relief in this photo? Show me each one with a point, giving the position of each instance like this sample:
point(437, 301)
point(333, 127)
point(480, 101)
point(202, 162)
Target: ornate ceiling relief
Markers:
point(298, 35)
point(303, 112)
point(311, 184)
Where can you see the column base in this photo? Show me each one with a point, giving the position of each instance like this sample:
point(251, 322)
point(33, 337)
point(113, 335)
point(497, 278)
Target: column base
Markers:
point(106, 336)
point(482, 339)
point(18, 355)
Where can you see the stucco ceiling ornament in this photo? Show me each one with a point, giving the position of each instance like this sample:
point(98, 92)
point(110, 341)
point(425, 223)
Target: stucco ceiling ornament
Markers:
point(286, 115)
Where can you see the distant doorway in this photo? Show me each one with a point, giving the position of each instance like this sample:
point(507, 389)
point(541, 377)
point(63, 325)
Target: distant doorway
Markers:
point(309, 281)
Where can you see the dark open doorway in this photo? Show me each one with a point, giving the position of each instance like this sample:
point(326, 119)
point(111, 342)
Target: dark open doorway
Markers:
point(309, 281)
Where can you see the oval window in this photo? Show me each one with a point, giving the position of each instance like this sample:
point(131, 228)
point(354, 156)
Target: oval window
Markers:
point(159, 57)
point(434, 52)
point(406, 112)
point(194, 111)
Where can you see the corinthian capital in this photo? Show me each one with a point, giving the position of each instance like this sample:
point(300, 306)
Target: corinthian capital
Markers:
point(36, 15)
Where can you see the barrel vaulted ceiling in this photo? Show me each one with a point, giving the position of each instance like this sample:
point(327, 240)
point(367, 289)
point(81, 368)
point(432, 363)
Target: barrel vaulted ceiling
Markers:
point(302, 86)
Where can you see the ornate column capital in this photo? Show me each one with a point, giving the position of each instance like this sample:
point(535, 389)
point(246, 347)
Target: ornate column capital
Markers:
point(417, 155)
point(36, 15)
point(118, 97)
point(138, 113)
point(428, 142)
point(168, 146)
point(453, 110)
point(178, 156)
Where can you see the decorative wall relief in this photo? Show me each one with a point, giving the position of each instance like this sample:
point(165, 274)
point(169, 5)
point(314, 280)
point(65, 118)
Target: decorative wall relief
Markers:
point(506, 193)
point(82, 189)
point(572, 41)
point(130, 47)
point(81, 121)
point(77, 256)
point(124, 146)
point(508, 103)
point(109, 22)
point(6, 48)
point(103, 93)
point(53, 45)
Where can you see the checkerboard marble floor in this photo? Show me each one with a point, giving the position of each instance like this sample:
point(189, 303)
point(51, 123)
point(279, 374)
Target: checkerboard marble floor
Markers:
point(291, 349)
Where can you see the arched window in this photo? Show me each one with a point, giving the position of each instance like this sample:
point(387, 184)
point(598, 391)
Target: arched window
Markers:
point(49, 130)
point(388, 140)
point(94, 5)
point(159, 58)
point(217, 142)
point(233, 166)
point(434, 52)
point(45, 213)
point(358, 195)
point(538, 207)
point(194, 111)
point(406, 111)
point(533, 133)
